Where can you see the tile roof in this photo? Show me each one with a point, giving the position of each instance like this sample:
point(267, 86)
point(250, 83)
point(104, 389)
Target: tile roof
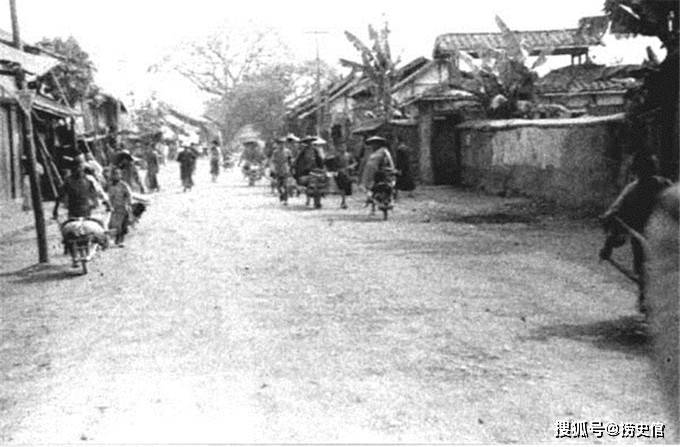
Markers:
point(562, 41)
point(588, 78)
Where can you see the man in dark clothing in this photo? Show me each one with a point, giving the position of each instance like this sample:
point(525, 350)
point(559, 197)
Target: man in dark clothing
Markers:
point(403, 165)
point(308, 159)
point(187, 162)
point(153, 160)
point(80, 193)
point(633, 207)
point(282, 166)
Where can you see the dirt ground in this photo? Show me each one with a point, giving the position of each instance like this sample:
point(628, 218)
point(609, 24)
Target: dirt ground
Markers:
point(230, 318)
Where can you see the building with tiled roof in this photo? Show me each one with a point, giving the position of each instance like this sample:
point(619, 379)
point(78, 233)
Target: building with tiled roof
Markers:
point(594, 89)
point(574, 42)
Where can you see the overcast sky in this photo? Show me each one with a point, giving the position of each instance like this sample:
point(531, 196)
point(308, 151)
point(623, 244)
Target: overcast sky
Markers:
point(124, 37)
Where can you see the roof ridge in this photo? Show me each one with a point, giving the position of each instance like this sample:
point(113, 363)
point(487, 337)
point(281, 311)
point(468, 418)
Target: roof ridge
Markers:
point(514, 31)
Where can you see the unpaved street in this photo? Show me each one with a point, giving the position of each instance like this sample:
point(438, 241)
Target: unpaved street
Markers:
point(229, 318)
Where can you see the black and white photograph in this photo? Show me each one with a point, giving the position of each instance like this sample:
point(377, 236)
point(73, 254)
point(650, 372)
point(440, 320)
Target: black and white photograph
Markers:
point(364, 222)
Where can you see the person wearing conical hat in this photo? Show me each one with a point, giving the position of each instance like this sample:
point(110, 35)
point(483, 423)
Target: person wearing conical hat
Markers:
point(378, 158)
point(293, 143)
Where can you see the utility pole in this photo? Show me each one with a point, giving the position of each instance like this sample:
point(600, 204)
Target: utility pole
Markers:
point(25, 99)
point(320, 109)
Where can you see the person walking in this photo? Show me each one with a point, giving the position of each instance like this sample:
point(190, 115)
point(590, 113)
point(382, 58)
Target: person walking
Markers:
point(187, 161)
point(215, 160)
point(120, 197)
point(632, 208)
point(153, 159)
point(282, 166)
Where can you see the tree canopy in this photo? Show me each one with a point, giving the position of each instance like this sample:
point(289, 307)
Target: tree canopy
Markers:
point(247, 75)
point(74, 77)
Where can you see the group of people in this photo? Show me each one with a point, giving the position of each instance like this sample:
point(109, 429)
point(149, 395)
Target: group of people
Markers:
point(293, 159)
point(188, 157)
point(88, 184)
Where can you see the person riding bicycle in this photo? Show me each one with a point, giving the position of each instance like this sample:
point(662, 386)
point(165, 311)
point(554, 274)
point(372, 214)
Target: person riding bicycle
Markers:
point(251, 155)
point(378, 161)
point(80, 193)
point(309, 159)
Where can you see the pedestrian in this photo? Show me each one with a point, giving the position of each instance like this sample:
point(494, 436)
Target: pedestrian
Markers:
point(187, 162)
point(120, 196)
point(153, 159)
point(128, 168)
point(633, 207)
point(215, 160)
point(403, 165)
point(282, 165)
point(342, 163)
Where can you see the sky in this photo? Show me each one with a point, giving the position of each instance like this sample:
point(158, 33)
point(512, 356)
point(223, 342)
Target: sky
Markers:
point(125, 37)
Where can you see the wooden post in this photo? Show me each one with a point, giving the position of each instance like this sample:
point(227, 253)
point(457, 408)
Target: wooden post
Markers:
point(425, 118)
point(16, 36)
point(36, 196)
point(25, 99)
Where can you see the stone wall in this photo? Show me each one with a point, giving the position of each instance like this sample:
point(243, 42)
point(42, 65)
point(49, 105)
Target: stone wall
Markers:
point(575, 162)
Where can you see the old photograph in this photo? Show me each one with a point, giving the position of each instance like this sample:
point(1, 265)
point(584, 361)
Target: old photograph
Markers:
point(358, 222)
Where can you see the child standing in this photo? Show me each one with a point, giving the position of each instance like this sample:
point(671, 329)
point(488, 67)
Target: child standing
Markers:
point(120, 197)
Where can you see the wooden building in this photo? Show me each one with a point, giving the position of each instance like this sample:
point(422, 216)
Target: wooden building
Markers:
point(52, 124)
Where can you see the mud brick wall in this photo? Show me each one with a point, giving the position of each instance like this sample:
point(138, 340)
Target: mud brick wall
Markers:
point(576, 162)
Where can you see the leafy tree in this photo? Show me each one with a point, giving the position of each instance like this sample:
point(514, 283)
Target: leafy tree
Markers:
point(653, 106)
point(75, 76)
point(258, 100)
point(646, 17)
point(247, 76)
point(377, 65)
point(148, 116)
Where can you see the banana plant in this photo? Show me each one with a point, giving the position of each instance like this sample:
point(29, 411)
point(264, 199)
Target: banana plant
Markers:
point(501, 75)
point(377, 65)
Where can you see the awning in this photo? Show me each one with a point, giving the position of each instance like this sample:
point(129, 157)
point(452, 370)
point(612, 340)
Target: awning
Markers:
point(9, 91)
point(32, 63)
point(374, 125)
point(52, 107)
point(368, 126)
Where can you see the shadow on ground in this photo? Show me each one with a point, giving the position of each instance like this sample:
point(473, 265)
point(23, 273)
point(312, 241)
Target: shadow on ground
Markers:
point(490, 218)
point(40, 273)
point(351, 216)
point(626, 334)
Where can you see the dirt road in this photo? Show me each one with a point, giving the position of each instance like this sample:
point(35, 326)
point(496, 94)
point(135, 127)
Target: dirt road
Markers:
point(229, 318)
